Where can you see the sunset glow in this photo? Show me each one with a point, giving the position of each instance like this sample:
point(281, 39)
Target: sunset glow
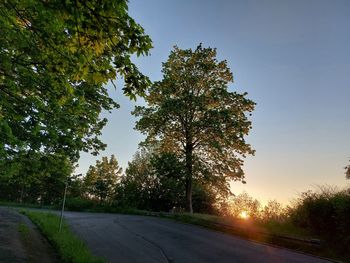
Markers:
point(244, 215)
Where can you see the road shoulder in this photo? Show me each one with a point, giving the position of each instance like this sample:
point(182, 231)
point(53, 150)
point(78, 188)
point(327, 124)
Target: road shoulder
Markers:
point(20, 240)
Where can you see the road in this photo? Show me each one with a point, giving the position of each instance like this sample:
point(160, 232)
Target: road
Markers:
point(20, 240)
point(133, 239)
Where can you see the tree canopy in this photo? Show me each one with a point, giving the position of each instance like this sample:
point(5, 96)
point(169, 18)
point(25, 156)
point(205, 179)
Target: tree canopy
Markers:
point(152, 181)
point(102, 178)
point(155, 181)
point(35, 177)
point(191, 113)
point(55, 59)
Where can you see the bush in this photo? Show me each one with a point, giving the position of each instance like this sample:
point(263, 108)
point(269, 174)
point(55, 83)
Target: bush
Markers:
point(79, 204)
point(326, 213)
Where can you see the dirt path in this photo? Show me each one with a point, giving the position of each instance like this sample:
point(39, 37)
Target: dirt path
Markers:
point(20, 240)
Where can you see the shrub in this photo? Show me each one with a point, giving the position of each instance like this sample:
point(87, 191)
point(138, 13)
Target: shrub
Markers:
point(79, 204)
point(327, 213)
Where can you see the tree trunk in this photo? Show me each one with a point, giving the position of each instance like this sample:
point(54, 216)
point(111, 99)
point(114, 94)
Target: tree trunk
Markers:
point(189, 196)
point(22, 194)
point(189, 173)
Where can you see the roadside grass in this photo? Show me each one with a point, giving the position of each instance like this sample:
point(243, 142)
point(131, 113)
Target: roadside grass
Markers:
point(69, 247)
point(286, 228)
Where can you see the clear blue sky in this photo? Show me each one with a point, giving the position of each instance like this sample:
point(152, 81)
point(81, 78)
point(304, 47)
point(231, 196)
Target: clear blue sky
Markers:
point(293, 59)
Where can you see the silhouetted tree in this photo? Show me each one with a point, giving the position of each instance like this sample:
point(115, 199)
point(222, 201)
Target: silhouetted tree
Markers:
point(191, 113)
point(273, 210)
point(152, 181)
point(135, 185)
point(156, 181)
point(245, 203)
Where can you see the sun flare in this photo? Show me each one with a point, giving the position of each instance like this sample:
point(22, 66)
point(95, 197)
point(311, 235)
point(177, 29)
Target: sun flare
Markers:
point(244, 215)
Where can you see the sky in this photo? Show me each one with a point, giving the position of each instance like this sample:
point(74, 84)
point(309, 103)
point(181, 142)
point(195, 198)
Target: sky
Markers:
point(293, 59)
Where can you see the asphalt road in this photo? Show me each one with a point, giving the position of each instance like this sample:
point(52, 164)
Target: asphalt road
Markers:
point(126, 239)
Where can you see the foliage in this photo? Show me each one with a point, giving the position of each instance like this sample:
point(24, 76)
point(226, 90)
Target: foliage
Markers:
point(55, 59)
point(244, 203)
point(79, 204)
point(274, 211)
point(326, 213)
point(347, 172)
point(133, 188)
point(169, 176)
point(76, 187)
point(192, 114)
point(35, 177)
point(204, 198)
point(155, 181)
point(69, 247)
point(101, 180)
point(152, 182)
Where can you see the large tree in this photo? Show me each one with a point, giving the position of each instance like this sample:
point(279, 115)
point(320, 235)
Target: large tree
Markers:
point(192, 113)
point(56, 58)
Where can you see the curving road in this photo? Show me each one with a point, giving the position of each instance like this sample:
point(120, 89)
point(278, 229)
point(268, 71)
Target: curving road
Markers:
point(129, 239)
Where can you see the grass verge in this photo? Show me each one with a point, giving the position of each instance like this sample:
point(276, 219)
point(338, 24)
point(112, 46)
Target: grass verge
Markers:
point(69, 247)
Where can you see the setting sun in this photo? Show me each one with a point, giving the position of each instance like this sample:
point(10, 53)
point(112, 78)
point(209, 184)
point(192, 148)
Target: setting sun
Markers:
point(244, 215)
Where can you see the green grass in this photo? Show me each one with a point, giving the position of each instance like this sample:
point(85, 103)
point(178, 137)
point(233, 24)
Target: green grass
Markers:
point(286, 229)
point(69, 247)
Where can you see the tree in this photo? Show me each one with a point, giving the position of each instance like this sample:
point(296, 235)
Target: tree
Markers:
point(35, 177)
point(244, 203)
point(152, 181)
point(55, 59)
point(135, 186)
point(168, 172)
point(191, 113)
point(156, 181)
point(101, 180)
point(347, 172)
point(273, 211)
